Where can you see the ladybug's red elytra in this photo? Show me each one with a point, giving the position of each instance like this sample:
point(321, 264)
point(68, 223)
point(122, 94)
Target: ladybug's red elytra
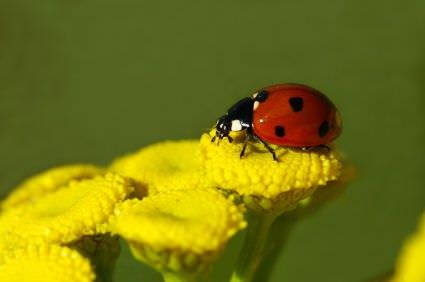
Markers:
point(291, 115)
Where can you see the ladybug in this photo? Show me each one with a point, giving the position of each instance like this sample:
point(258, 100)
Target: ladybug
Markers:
point(290, 115)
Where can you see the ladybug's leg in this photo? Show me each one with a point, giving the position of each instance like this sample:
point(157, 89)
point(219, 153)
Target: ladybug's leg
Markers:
point(270, 149)
point(243, 150)
point(221, 137)
point(327, 148)
point(248, 137)
point(315, 148)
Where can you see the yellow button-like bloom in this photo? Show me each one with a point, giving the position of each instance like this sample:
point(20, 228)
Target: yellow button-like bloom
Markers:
point(45, 263)
point(180, 229)
point(296, 175)
point(410, 266)
point(163, 166)
point(82, 208)
point(47, 182)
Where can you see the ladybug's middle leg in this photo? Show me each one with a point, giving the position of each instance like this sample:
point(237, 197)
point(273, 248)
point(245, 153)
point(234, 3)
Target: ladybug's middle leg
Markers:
point(270, 149)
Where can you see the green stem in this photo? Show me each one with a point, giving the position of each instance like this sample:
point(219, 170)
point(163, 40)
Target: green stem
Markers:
point(278, 236)
point(254, 246)
point(172, 277)
point(179, 277)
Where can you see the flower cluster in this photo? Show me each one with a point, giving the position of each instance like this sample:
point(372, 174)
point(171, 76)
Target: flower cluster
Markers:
point(53, 211)
point(45, 263)
point(175, 203)
point(257, 178)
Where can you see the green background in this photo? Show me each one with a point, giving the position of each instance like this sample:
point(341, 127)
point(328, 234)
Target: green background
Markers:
point(86, 81)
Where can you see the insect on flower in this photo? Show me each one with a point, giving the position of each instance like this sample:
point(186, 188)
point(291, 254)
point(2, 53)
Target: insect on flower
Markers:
point(290, 115)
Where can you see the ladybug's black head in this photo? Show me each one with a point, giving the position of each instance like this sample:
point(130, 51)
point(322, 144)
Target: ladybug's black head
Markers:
point(222, 129)
point(238, 117)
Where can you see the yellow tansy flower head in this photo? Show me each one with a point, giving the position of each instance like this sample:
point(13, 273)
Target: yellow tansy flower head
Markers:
point(82, 208)
point(328, 193)
point(47, 263)
point(180, 229)
point(47, 182)
point(410, 266)
point(258, 178)
point(163, 166)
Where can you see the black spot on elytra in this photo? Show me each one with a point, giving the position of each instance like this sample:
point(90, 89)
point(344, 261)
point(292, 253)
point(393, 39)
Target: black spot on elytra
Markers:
point(324, 128)
point(279, 131)
point(261, 96)
point(296, 103)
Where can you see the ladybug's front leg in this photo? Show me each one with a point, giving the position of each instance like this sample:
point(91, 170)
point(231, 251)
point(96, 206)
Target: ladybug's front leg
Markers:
point(248, 137)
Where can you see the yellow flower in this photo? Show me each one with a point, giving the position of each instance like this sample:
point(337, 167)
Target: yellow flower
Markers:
point(82, 208)
point(179, 229)
point(260, 179)
point(325, 194)
point(46, 263)
point(47, 182)
point(163, 166)
point(410, 266)
point(267, 187)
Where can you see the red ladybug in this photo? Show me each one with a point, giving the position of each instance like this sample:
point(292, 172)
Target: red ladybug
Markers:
point(292, 115)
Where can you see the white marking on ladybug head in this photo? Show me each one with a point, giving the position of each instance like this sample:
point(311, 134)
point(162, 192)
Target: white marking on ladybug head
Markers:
point(254, 95)
point(256, 104)
point(236, 125)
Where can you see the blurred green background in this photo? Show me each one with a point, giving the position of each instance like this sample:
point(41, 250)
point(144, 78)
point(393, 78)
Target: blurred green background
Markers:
point(86, 81)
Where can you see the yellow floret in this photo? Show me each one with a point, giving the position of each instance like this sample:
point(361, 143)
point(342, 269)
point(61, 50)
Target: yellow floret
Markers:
point(46, 263)
point(410, 266)
point(178, 227)
point(296, 175)
point(82, 208)
point(47, 182)
point(163, 166)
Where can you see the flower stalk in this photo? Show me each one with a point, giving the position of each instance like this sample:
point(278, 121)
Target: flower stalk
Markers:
point(185, 277)
point(254, 246)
